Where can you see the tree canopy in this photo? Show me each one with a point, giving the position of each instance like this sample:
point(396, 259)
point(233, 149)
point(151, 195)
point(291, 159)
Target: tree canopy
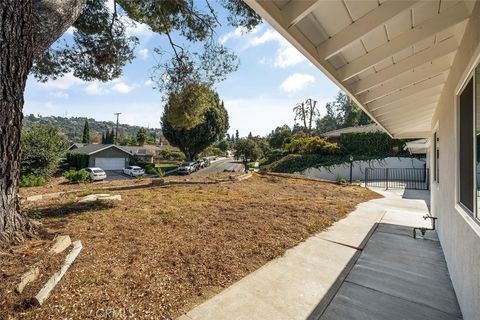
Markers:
point(342, 113)
point(208, 127)
point(86, 133)
point(101, 45)
point(247, 150)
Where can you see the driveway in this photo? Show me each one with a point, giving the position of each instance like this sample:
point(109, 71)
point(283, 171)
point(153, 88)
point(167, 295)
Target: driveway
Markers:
point(220, 166)
point(116, 175)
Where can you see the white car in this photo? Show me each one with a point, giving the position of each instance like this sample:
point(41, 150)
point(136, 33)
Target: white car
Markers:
point(96, 174)
point(186, 168)
point(133, 171)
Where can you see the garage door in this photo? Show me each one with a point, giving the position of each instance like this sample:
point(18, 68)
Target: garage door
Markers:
point(110, 163)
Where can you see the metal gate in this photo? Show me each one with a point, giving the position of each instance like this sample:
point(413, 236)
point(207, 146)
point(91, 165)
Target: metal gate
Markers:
point(398, 178)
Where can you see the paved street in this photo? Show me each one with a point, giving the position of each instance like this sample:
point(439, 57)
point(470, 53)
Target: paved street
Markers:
point(220, 166)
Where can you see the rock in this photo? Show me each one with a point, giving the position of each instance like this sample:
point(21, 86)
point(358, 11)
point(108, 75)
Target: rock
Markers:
point(109, 197)
point(35, 198)
point(101, 196)
point(29, 276)
point(52, 282)
point(60, 243)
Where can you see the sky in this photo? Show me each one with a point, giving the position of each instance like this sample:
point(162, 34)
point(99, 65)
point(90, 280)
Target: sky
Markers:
point(271, 79)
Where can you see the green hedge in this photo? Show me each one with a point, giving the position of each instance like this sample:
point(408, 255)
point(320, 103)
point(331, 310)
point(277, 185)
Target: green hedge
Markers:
point(299, 162)
point(77, 160)
point(372, 144)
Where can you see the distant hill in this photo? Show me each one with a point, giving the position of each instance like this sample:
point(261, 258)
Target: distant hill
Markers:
point(73, 127)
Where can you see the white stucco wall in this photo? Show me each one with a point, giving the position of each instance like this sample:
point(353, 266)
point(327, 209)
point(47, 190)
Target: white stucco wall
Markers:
point(459, 233)
point(358, 169)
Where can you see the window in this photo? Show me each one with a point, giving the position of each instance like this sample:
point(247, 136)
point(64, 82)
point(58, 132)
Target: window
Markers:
point(469, 140)
point(466, 146)
point(436, 159)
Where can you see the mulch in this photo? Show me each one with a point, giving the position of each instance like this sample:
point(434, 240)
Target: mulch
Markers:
point(160, 251)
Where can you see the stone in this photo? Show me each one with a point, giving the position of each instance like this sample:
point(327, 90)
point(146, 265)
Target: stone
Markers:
point(60, 243)
point(29, 276)
point(55, 279)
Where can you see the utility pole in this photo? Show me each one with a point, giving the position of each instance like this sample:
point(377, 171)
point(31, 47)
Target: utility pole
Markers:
point(116, 130)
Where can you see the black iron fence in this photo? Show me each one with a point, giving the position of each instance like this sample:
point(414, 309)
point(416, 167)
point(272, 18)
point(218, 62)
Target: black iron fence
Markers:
point(397, 178)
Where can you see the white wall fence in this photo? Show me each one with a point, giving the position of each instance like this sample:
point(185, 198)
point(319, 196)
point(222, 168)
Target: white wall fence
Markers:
point(358, 168)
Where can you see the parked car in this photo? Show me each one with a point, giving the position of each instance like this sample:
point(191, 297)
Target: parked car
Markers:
point(186, 168)
point(206, 161)
point(96, 174)
point(133, 171)
point(197, 165)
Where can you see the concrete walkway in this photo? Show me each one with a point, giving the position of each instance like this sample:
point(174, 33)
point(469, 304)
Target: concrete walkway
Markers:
point(366, 266)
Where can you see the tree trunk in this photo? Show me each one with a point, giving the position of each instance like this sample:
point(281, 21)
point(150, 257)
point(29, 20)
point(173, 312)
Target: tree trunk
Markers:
point(16, 56)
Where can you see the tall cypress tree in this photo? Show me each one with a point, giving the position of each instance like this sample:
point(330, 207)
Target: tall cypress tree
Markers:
point(86, 133)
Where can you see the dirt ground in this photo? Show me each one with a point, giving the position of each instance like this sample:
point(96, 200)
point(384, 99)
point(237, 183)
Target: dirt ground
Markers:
point(161, 250)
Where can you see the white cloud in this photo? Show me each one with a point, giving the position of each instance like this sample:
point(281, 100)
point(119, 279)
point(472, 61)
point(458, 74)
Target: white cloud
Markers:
point(139, 30)
point(296, 82)
point(59, 94)
point(237, 33)
point(63, 83)
point(288, 56)
point(95, 88)
point(122, 87)
point(143, 53)
point(268, 36)
point(285, 56)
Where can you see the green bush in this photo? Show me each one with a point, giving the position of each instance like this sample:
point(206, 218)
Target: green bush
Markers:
point(173, 155)
point(77, 160)
point(376, 144)
point(31, 181)
point(150, 168)
point(273, 156)
point(317, 145)
point(80, 176)
point(312, 145)
point(43, 147)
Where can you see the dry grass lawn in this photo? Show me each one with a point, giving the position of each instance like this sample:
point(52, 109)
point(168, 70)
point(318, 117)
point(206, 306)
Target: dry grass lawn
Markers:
point(161, 250)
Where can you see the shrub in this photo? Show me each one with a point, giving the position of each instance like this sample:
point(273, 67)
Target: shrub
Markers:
point(173, 155)
point(31, 181)
point(43, 147)
point(80, 176)
point(273, 156)
point(150, 168)
point(378, 144)
point(317, 145)
point(312, 145)
point(77, 160)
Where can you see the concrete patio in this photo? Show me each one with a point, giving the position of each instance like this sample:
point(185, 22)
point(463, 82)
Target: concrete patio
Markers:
point(366, 266)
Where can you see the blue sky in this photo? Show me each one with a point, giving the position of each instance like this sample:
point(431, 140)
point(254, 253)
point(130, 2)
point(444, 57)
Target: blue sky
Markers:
point(272, 77)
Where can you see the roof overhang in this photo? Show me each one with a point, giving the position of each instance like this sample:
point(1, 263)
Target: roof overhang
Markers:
point(391, 57)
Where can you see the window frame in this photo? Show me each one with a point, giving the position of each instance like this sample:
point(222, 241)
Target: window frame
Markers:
point(475, 214)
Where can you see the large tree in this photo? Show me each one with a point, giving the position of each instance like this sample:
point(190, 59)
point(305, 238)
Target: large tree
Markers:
point(306, 112)
point(342, 113)
point(86, 133)
point(247, 150)
point(99, 49)
point(279, 137)
point(206, 119)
